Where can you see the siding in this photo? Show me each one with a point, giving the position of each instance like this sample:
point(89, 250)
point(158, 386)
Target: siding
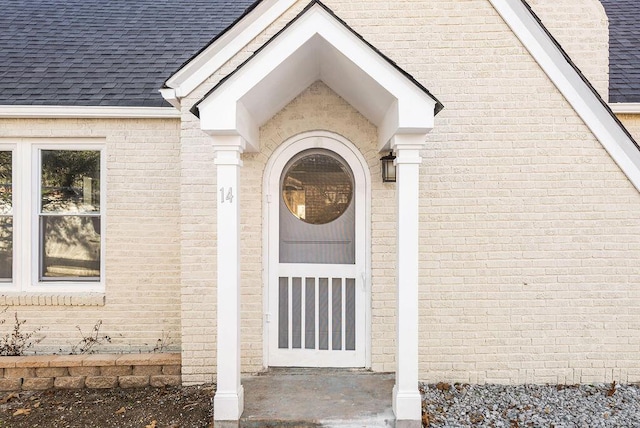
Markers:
point(528, 258)
point(142, 301)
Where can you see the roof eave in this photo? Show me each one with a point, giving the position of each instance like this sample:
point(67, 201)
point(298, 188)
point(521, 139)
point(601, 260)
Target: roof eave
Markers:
point(224, 46)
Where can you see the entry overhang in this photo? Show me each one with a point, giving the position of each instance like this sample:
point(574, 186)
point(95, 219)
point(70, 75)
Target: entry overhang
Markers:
point(317, 45)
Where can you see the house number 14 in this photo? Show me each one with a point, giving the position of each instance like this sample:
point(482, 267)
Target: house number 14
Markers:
point(228, 196)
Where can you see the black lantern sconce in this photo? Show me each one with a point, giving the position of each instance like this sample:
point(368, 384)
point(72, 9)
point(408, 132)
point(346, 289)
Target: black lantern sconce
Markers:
point(388, 168)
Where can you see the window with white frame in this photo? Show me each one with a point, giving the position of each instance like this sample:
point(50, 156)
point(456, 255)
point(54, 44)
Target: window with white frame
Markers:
point(6, 216)
point(52, 216)
point(69, 215)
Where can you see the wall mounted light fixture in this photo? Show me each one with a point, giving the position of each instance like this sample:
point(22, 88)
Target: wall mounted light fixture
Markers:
point(388, 168)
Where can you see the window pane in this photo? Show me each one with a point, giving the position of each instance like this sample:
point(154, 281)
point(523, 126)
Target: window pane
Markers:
point(5, 182)
point(6, 248)
point(70, 181)
point(70, 247)
point(317, 188)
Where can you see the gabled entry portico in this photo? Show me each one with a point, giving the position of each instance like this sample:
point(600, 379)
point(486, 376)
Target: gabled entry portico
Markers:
point(316, 45)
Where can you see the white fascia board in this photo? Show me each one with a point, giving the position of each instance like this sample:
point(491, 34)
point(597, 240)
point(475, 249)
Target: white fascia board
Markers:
point(416, 109)
point(625, 108)
point(194, 73)
point(169, 95)
point(222, 111)
point(588, 106)
point(377, 67)
point(87, 112)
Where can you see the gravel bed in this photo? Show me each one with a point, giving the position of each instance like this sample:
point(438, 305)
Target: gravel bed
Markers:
point(589, 406)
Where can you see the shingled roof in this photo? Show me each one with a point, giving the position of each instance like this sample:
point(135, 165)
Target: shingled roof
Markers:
point(102, 52)
point(119, 52)
point(624, 50)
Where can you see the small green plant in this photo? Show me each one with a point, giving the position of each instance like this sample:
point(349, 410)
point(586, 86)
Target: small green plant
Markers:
point(88, 342)
point(17, 342)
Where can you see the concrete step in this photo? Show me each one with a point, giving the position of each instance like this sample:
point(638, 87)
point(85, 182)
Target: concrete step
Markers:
point(318, 398)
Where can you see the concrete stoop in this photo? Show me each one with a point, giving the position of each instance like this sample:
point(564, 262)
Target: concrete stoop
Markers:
point(311, 398)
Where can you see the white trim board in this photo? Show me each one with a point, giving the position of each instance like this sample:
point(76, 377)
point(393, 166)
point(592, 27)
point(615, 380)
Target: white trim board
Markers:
point(525, 26)
point(625, 108)
point(231, 41)
point(86, 112)
point(570, 83)
point(316, 45)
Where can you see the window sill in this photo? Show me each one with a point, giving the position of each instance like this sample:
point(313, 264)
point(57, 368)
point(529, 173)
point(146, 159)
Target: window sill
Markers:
point(51, 299)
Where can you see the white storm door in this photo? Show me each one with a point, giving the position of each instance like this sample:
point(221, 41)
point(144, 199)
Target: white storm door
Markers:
point(317, 295)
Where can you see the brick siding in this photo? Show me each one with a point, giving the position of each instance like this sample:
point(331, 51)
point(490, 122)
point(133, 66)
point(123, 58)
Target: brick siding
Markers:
point(528, 258)
point(529, 231)
point(141, 303)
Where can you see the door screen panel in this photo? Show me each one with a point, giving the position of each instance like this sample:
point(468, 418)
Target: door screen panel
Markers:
point(317, 216)
point(334, 309)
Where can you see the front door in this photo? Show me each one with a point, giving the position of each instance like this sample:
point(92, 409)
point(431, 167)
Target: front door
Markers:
point(317, 296)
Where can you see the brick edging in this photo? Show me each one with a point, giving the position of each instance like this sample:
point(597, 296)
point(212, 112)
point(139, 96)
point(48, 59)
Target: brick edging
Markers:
point(89, 371)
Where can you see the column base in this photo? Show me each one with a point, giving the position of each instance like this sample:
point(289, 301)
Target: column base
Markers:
point(407, 406)
point(228, 406)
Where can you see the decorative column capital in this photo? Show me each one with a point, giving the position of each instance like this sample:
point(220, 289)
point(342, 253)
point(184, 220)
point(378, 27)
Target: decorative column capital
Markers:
point(228, 149)
point(408, 147)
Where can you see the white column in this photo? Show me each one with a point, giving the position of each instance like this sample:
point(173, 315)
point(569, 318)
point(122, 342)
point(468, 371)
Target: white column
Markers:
point(228, 402)
point(406, 396)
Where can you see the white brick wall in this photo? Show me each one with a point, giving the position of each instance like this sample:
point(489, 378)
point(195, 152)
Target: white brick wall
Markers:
point(632, 123)
point(581, 28)
point(529, 231)
point(198, 257)
point(142, 301)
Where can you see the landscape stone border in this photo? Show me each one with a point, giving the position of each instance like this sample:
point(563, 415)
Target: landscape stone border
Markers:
point(100, 371)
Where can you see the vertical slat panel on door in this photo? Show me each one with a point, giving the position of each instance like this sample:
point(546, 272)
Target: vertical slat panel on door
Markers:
point(283, 313)
point(310, 314)
point(350, 314)
point(323, 314)
point(336, 314)
point(296, 313)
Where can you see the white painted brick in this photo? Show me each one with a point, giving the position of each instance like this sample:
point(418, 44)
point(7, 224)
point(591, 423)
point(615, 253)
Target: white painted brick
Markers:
point(529, 232)
point(142, 303)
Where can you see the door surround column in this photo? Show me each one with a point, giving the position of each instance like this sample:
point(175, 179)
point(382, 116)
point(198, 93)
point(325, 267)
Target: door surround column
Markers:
point(228, 402)
point(407, 403)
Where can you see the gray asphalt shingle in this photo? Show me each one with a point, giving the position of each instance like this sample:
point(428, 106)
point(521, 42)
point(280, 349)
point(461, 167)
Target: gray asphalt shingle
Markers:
point(624, 50)
point(119, 52)
point(102, 52)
